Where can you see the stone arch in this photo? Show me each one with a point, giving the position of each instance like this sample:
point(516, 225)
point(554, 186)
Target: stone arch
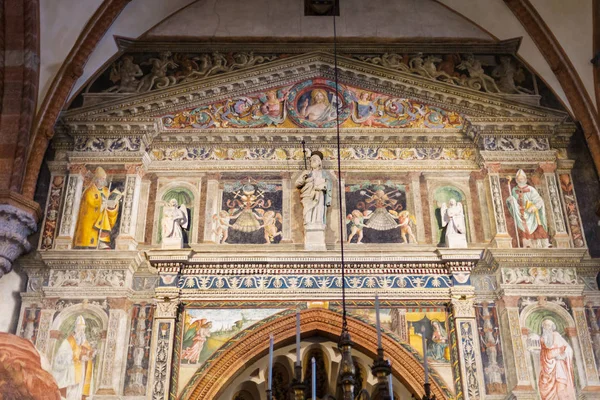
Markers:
point(555, 308)
point(210, 381)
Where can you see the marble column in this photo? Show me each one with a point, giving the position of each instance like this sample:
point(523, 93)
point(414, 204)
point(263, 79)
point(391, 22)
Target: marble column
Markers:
point(70, 208)
point(131, 198)
point(501, 238)
point(516, 357)
point(115, 357)
point(471, 366)
point(556, 219)
point(212, 209)
point(163, 332)
point(589, 373)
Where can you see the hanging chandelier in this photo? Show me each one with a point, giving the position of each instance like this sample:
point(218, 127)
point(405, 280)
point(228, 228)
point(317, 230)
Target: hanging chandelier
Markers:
point(347, 379)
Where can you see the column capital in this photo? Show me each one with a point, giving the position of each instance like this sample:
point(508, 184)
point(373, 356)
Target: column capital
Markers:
point(548, 167)
point(120, 303)
point(462, 307)
point(166, 309)
point(78, 169)
point(576, 301)
point(18, 219)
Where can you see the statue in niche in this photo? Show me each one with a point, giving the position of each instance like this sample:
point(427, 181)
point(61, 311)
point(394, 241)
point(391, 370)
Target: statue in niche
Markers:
point(315, 191)
point(556, 379)
point(453, 219)
point(529, 213)
point(98, 214)
point(174, 221)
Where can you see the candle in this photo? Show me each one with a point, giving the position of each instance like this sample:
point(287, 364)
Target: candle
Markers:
point(314, 379)
point(297, 337)
point(425, 354)
point(270, 361)
point(390, 387)
point(378, 322)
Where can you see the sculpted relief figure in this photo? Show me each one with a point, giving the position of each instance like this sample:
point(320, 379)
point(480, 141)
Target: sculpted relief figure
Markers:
point(453, 218)
point(318, 109)
point(72, 366)
point(174, 221)
point(315, 191)
point(556, 365)
point(529, 213)
point(125, 73)
point(97, 214)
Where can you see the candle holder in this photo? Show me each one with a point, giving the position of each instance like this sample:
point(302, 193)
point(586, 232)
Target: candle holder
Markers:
point(427, 395)
point(298, 387)
point(381, 369)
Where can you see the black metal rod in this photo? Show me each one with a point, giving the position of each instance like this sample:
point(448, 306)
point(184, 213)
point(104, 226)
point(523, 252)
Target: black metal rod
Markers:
point(339, 173)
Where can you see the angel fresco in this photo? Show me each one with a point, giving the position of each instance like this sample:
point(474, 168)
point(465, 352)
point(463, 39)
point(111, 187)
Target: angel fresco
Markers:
point(365, 109)
point(195, 335)
point(379, 214)
point(251, 214)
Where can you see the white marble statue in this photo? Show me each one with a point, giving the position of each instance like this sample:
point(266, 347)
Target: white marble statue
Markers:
point(453, 218)
point(315, 194)
point(174, 221)
point(315, 191)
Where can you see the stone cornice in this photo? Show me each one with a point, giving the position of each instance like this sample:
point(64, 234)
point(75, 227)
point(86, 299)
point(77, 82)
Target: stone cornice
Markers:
point(307, 66)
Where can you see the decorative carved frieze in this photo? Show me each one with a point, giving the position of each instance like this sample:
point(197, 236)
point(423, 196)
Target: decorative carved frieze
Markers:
point(539, 276)
point(314, 282)
point(87, 278)
point(492, 143)
point(107, 144)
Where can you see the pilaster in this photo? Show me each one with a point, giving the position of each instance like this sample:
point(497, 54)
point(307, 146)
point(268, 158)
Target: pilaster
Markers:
point(555, 216)
point(471, 366)
point(518, 377)
point(415, 188)
point(286, 209)
point(131, 199)
point(212, 209)
point(112, 370)
point(163, 333)
point(587, 362)
point(501, 238)
point(70, 207)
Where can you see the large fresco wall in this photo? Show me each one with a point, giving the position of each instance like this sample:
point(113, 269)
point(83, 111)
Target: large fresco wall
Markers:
point(184, 222)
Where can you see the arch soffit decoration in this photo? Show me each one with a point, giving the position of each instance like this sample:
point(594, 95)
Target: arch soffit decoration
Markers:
point(209, 381)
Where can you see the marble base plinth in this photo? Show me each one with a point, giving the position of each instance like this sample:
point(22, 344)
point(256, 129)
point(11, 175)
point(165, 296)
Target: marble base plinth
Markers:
point(314, 237)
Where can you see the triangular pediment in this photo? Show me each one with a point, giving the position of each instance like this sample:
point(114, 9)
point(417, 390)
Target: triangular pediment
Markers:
point(274, 95)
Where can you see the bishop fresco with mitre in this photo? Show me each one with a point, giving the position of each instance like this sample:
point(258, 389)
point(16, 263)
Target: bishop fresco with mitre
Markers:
point(97, 214)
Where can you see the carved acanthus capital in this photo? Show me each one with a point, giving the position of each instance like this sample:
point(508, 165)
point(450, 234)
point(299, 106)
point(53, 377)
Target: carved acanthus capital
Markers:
point(77, 169)
point(15, 226)
point(166, 309)
point(135, 169)
point(120, 303)
point(462, 307)
point(548, 167)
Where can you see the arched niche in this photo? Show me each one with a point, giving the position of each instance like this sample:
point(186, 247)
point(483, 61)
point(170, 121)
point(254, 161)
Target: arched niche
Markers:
point(441, 191)
point(531, 318)
point(182, 192)
point(251, 346)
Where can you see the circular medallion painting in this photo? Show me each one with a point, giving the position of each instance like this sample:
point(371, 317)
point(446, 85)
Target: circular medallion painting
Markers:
point(312, 104)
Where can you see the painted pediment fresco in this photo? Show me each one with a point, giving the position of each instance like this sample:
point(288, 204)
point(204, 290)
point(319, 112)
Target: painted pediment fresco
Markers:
point(312, 104)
